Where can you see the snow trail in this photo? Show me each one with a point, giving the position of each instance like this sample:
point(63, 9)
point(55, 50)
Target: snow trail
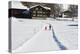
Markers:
point(62, 35)
point(42, 41)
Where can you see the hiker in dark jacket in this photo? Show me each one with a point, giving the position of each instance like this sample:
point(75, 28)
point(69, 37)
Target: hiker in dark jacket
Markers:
point(49, 26)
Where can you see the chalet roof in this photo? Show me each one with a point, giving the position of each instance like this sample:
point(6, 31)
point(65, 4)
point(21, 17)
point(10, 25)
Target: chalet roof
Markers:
point(67, 11)
point(18, 5)
point(41, 6)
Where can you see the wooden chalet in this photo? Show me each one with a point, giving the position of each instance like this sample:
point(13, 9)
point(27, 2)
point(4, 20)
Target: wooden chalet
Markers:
point(40, 11)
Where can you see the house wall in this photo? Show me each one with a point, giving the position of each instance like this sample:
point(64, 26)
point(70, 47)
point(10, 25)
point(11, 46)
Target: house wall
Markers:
point(40, 12)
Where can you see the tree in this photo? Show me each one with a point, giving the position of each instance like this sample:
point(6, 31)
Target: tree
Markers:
point(55, 9)
point(74, 11)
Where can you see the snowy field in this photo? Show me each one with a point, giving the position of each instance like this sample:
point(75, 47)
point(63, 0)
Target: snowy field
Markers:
point(30, 35)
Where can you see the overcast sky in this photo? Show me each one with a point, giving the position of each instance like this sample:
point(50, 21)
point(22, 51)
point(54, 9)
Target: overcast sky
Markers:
point(65, 6)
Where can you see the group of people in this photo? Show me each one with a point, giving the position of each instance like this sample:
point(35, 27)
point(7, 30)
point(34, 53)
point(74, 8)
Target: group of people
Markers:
point(48, 27)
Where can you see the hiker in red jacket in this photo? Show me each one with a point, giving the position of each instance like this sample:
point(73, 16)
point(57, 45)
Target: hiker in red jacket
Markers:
point(45, 27)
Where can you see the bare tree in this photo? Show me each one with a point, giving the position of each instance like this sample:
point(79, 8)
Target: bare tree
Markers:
point(55, 9)
point(74, 11)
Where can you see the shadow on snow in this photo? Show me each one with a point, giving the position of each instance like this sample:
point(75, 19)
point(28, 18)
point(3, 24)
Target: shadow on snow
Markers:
point(61, 46)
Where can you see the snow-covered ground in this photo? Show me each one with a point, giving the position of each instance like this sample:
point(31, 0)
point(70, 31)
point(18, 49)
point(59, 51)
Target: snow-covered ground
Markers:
point(23, 30)
point(29, 35)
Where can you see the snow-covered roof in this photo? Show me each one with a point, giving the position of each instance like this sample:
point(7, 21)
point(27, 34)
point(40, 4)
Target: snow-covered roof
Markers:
point(18, 5)
point(46, 7)
point(41, 6)
point(34, 6)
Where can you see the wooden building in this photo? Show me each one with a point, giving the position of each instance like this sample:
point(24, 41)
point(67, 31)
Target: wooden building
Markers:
point(40, 11)
point(67, 14)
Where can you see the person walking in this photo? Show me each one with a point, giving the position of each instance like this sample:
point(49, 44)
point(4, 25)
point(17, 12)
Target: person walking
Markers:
point(45, 27)
point(49, 26)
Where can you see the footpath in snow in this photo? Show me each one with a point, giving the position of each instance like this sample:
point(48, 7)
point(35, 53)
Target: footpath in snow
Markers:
point(42, 41)
point(62, 36)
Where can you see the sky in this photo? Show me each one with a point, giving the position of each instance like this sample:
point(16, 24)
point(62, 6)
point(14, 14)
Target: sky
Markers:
point(19, 5)
point(65, 6)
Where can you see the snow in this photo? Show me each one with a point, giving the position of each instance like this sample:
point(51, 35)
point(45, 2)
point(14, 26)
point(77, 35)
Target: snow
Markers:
point(41, 6)
point(46, 8)
point(18, 5)
point(67, 19)
point(42, 41)
point(68, 35)
point(29, 35)
point(23, 30)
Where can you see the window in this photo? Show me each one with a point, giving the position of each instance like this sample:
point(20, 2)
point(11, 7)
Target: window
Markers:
point(39, 11)
point(40, 8)
point(34, 11)
point(34, 15)
point(44, 15)
point(36, 8)
point(38, 15)
point(43, 12)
